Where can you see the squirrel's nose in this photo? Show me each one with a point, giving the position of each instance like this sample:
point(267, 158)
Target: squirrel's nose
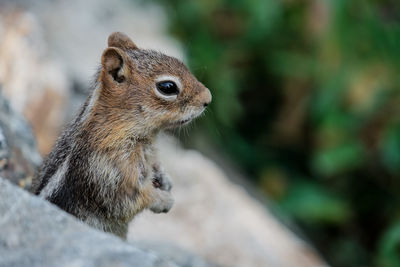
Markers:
point(208, 98)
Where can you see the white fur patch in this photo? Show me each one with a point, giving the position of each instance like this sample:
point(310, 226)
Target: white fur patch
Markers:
point(93, 99)
point(103, 172)
point(55, 181)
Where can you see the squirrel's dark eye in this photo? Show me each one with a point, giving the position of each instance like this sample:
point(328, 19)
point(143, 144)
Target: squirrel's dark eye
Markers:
point(167, 88)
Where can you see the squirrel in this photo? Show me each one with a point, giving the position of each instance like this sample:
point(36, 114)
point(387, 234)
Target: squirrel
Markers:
point(103, 168)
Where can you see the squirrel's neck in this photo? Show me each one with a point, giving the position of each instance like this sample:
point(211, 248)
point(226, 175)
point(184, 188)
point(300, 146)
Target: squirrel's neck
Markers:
point(109, 127)
point(107, 133)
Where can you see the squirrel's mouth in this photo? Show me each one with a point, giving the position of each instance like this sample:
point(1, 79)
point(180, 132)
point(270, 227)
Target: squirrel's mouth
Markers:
point(180, 123)
point(185, 121)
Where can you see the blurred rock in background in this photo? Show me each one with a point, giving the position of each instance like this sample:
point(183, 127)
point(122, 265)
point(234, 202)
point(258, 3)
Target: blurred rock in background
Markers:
point(48, 52)
point(34, 83)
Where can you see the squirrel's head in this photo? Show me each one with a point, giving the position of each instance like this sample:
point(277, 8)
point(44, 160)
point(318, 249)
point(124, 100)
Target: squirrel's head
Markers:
point(156, 89)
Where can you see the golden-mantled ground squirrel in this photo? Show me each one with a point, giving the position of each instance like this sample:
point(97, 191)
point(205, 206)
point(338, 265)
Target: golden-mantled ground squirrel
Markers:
point(104, 169)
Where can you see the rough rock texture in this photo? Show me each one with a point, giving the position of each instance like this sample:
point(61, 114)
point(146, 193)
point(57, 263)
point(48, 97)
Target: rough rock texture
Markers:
point(18, 153)
point(35, 233)
point(217, 219)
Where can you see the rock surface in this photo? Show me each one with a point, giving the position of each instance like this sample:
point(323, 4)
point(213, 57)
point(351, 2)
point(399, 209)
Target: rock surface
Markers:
point(36, 233)
point(18, 153)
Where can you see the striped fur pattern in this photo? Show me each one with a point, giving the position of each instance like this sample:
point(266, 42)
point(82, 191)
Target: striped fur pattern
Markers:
point(104, 166)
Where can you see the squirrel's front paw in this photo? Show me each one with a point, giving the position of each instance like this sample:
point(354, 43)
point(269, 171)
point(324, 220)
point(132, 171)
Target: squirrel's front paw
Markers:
point(162, 181)
point(163, 201)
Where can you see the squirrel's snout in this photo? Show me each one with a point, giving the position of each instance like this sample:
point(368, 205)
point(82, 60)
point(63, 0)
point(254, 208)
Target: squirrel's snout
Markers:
point(207, 97)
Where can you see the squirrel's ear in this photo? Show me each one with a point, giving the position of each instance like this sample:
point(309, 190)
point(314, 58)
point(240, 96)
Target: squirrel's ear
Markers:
point(114, 63)
point(121, 40)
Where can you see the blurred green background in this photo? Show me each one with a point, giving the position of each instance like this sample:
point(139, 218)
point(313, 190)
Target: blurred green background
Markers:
point(306, 100)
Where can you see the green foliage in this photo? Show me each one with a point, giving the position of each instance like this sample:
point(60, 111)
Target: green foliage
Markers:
point(314, 204)
point(312, 89)
point(389, 247)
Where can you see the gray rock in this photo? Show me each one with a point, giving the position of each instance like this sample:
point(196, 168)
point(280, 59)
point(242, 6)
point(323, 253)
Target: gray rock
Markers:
point(170, 251)
point(35, 233)
point(18, 153)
